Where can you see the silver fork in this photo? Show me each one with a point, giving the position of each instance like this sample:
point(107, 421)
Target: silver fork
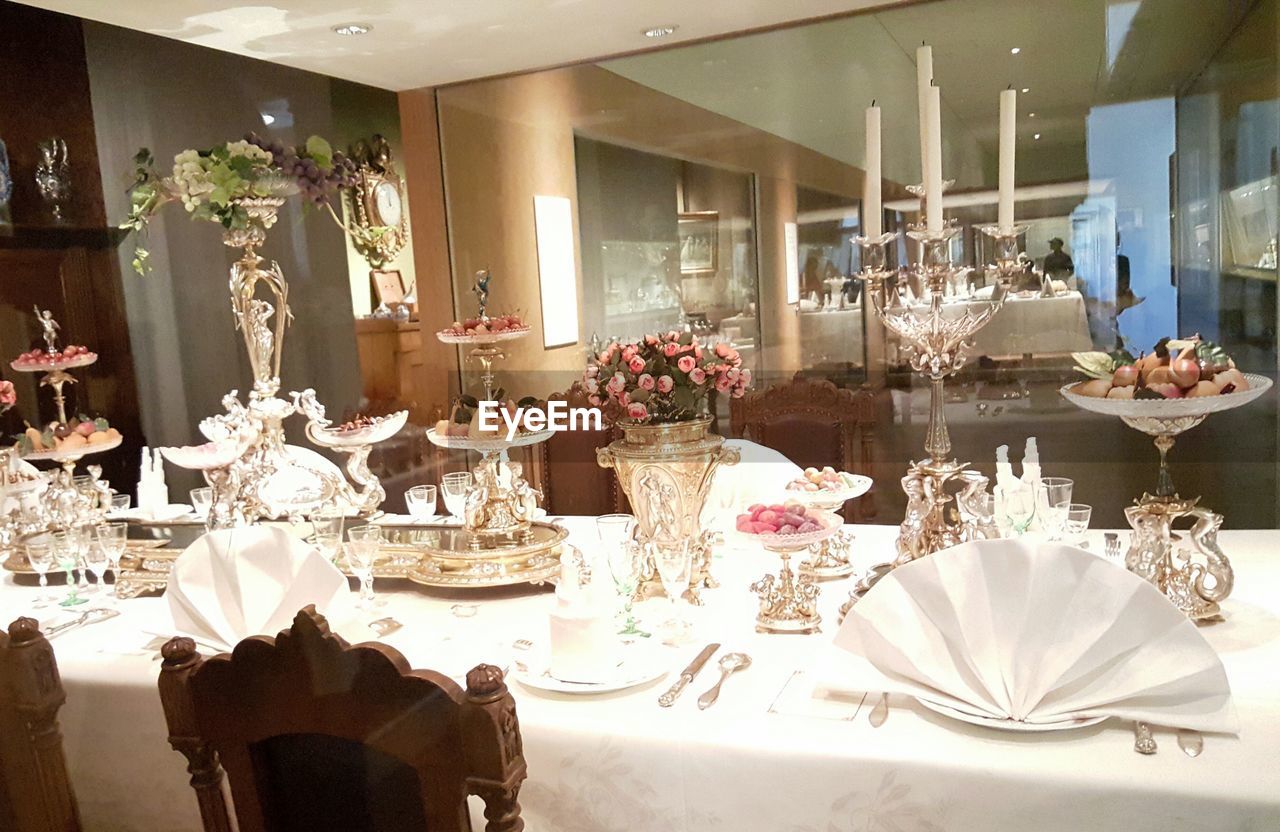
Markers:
point(1112, 548)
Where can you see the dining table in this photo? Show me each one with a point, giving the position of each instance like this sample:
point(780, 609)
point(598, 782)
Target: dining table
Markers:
point(773, 753)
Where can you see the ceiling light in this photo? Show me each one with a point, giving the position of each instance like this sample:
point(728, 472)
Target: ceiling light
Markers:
point(1037, 137)
point(1026, 90)
point(1031, 115)
point(268, 119)
point(1015, 50)
point(352, 29)
point(660, 31)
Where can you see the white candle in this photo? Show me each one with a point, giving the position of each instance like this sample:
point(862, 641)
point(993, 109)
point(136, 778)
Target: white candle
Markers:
point(1008, 138)
point(933, 174)
point(871, 211)
point(924, 80)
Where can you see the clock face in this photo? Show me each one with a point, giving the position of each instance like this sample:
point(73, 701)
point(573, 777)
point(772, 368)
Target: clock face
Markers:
point(386, 199)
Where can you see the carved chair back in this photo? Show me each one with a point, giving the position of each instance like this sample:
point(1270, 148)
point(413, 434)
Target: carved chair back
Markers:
point(315, 734)
point(35, 791)
point(814, 423)
point(566, 471)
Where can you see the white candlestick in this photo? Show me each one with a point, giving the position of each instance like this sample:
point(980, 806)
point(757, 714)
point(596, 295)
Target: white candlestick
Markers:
point(871, 211)
point(1008, 139)
point(933, 173)
point(924, 80)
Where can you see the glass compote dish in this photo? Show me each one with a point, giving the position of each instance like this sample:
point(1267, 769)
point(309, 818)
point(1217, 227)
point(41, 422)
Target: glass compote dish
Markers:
point(829, 558)
point(1156, 553)
point(789, 604)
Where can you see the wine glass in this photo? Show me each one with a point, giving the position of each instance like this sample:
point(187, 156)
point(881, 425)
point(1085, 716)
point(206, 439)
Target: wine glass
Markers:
point(1019, 509)
point(40, 556)
point(626, 562)
point(326, 520)
point(362, 547)
point(113, 538)
point(201, 500)
point(1052, 492)
point(328, 544)
point(421, 502)
point(1077, 521)
point(455, 486)
point(96, 564)
point(66, 549)
point(674, 560)
point(120, 503)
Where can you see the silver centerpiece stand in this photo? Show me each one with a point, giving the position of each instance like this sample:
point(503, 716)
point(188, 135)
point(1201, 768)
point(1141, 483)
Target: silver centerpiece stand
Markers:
point(268, 479)
point(789, 604)
point(1195, 575)
point(943, 506)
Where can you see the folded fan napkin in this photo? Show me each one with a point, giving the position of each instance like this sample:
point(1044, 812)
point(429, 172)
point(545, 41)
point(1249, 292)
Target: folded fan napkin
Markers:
point(234, 583)
point(1035, 633)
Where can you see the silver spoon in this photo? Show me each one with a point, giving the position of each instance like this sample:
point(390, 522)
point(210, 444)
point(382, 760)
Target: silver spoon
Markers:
point(1191, 742)
point(880, 712)
point(730, 663)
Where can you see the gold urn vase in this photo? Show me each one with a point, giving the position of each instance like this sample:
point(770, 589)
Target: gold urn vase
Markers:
point(665, 470)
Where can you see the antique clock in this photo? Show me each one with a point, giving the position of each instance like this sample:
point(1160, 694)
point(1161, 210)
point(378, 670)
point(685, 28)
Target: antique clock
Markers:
point(376, 204)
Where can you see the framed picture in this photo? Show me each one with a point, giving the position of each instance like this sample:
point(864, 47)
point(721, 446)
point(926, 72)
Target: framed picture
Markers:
point(699, 242)
point(388, 287)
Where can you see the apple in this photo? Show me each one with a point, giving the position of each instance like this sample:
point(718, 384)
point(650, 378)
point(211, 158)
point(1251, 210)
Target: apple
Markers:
point(1184, 372)
point(1126, 375)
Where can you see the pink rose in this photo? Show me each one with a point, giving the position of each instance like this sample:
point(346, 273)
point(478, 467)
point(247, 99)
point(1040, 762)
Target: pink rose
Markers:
point(637, 411)
point(591, 385)
point(669, 350)
point(617, 383)
point(645, 381)
point(733, 355)
point(8, 395)
point(697, 375)
point(666, 384)
point(723, 384)
point(651, 340)
point(686, 363)
point(738, 392)
point(732, 374)
point(603, 357)
point(636, 363)
point(628, 352)
point(745, 378)
point(697, 352)
point(623, 398)
point(592, 371)
point(594, 400)
point(673, 336)
point(722, 350)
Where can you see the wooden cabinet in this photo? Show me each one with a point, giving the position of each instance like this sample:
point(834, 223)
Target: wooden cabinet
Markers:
point(392, 365)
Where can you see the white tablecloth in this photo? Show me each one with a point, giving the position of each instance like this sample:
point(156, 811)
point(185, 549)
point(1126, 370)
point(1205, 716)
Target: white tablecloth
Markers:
point(757, 760)
point(1036, 325)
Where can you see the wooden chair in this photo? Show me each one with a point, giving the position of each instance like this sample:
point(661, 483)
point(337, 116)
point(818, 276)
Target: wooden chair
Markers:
point(814, 423)
point(317, 735)
point(566, 471)
point(35, 791)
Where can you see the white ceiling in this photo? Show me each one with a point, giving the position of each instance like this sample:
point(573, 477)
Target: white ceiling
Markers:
point(416, 43)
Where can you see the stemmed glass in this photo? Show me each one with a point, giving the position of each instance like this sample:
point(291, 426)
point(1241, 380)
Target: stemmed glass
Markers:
point(66, 548)
point(421, 502)
point(120, 503)
point(455, 486)
point(1019, 509)
point(326, 521)
point(113, 538)
point(40, 556)
point(625, 559)
point(363, 543)
point(1051, 493)
point(96, 564)
point(329, 545)
point(674, 560)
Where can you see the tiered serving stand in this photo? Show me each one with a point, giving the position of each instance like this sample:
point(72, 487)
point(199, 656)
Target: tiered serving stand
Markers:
point(1198, 576)
point(500, 542)
point(789, 604)
point(829, 557)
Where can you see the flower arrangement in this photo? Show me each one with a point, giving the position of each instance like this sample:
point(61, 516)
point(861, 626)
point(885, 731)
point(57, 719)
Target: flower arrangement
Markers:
point(212, 184)
point(8, 395)
point(664, 377)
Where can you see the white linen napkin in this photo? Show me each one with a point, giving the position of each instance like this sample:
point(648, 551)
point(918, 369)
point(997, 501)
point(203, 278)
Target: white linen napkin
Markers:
point(234, 583)
point(1033, 632)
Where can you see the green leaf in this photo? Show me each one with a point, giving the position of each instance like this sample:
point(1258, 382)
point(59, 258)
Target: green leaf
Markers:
point(320, 151)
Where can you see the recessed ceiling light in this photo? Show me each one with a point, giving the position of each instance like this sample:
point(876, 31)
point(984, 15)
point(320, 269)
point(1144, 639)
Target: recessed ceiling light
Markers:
point(660, 31)
point(1015, 50)
point(352, 29)
point(1031, 115)
point(268, 119)
point(1037, 137)
point(1026, 90)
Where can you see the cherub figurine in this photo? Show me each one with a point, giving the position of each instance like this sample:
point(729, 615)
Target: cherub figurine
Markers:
point(481, 289)
point(50, 327)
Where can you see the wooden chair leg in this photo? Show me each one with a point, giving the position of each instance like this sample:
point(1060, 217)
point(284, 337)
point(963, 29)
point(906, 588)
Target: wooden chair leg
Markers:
point(180, 661)
point(501, 807)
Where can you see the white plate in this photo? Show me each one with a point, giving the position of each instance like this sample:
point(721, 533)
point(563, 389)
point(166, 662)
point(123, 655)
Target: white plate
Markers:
point(1009, 724)
point(639, 666)
point(826, 498)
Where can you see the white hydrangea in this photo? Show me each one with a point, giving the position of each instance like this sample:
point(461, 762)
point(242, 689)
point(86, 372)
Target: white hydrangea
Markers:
point(191, 179)
point(250, 151)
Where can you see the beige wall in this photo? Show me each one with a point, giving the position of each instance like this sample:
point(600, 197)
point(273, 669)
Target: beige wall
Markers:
point(505, 140)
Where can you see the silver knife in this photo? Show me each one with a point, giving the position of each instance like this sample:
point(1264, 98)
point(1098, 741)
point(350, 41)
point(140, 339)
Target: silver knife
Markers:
point(668, 699)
